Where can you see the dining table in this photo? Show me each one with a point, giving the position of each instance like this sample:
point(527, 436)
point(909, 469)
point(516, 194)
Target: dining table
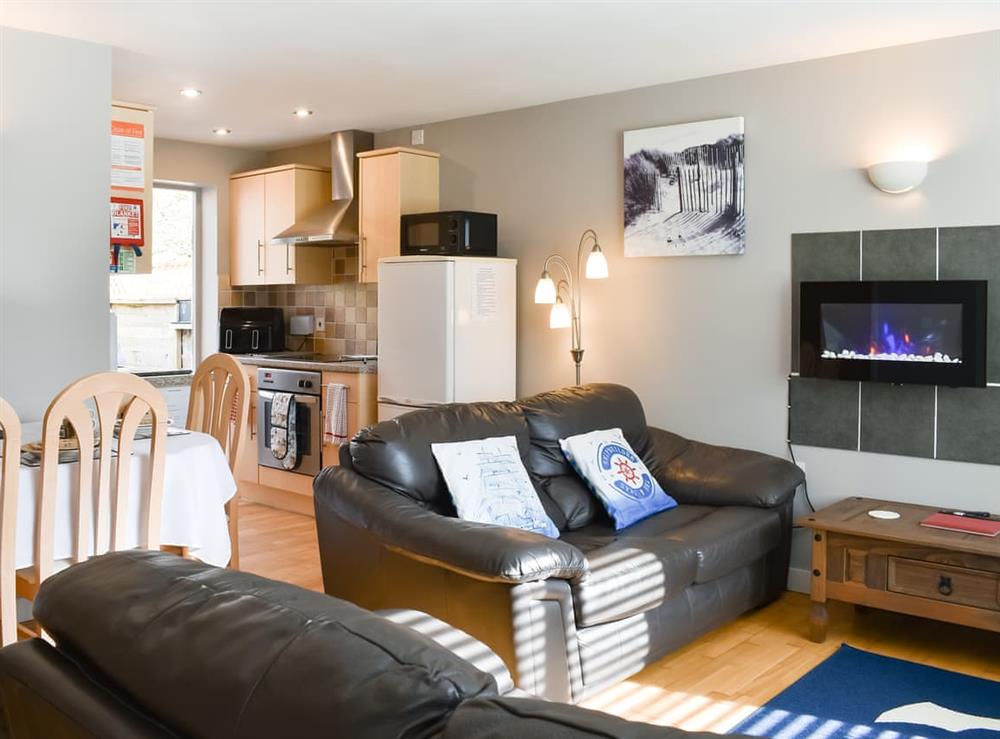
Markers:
point(197, 484)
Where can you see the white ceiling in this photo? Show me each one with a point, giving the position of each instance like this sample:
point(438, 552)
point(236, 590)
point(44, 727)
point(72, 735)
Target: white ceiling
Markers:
point(380, 65)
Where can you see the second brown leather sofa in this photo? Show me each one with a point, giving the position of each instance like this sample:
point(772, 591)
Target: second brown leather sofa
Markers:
point(569, 616)
point(152, 646)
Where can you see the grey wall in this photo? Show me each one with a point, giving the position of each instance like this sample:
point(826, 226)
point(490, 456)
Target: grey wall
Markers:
point(316, 153)
point(704, 340)
point(55, 98)
point(208, 167)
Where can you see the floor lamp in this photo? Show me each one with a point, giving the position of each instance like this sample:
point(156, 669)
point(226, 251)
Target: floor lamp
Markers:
point(550, 292)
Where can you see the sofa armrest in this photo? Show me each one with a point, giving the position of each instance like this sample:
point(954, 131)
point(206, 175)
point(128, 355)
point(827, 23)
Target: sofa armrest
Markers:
point(482, 551)
point(697, 473)
point(45, 693)
point(456, 641)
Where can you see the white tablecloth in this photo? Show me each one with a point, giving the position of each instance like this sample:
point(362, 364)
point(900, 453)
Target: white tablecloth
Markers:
point(197, 483)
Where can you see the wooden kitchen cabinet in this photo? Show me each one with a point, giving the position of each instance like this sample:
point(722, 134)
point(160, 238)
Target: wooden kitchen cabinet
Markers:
point(392, 183)
point(262, 204)
point(362, 407)
point(246, 230)
point(290, 490)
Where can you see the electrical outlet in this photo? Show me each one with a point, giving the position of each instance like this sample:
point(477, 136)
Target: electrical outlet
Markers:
point(417, 137)
point(320, 320)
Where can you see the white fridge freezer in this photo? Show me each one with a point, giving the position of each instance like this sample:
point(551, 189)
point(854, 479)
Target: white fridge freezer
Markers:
point(447, 331)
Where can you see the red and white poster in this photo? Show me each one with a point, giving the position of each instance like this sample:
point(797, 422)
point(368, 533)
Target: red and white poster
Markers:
point(126, 222)
point(128, 156)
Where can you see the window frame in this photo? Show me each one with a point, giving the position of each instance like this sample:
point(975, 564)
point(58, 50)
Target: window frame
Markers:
point(196, 273)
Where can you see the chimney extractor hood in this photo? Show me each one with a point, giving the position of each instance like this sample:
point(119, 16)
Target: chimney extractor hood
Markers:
point(335, 222)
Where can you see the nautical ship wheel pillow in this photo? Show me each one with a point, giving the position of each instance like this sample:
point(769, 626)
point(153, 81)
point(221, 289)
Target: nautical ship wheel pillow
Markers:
point(616, 475)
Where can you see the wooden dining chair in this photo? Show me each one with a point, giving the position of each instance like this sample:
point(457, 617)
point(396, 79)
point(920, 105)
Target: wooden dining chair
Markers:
point(220, 405)
point(9, 469)
point(99, 515)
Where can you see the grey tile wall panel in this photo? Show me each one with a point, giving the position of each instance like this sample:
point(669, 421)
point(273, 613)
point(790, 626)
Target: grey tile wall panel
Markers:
point(899, 254)
point(897, 419)
point(973, 253)
point(821, 256)
point(969, 424)
point(823, 413)
point(900, 420)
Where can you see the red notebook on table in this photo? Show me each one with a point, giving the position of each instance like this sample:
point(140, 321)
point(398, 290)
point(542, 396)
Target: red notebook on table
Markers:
point(962, 524)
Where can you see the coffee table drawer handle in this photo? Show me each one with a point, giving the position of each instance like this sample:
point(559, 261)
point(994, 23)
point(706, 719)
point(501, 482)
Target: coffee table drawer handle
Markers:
point(944, 585)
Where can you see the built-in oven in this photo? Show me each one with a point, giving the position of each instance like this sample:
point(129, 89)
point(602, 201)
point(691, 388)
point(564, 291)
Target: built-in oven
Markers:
point(305, 388)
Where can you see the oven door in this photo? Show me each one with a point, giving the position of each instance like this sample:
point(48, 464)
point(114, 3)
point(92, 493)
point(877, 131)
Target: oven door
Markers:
point(307, 433)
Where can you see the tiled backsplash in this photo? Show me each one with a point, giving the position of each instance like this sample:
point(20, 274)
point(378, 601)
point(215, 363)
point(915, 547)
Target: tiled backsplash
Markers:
point(350, 310)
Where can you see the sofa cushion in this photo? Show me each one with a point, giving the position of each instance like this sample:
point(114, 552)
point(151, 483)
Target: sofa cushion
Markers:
point(569, 502)
point(397, 453)
point(570, 411)
point(661, 525)
point(695, 472)
point(633, 570)
point(215, 652)
point(729, 538)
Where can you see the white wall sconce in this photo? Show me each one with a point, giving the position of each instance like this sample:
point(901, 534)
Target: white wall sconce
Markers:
point(897, 177)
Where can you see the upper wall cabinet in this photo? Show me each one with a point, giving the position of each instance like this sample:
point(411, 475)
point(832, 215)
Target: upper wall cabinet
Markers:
point(394, 182)
point(262, 204)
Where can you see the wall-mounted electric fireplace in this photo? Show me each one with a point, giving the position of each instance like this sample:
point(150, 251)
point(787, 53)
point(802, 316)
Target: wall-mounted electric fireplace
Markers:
point(908, 332)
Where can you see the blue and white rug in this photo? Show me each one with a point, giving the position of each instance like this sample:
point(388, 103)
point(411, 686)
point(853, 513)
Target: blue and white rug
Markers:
point(860, 695)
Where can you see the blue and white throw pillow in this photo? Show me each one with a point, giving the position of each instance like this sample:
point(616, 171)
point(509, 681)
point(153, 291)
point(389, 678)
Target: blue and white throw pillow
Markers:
point(489, 484)
point(616, 475)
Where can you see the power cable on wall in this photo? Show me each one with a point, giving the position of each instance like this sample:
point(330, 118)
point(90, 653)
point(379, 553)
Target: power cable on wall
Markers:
point(805, 482)
point(791, 450)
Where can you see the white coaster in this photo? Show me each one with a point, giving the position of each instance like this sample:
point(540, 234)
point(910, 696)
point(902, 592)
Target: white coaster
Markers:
point(884, 515)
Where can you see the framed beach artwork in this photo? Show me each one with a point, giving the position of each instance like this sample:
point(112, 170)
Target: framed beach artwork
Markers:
point(684, 189)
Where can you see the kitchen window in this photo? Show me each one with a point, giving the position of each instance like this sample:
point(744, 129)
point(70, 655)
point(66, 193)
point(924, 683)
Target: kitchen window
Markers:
point(154, 313)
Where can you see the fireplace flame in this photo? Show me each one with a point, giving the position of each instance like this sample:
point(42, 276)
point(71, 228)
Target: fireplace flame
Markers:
point(891, 343)
point(895, 333)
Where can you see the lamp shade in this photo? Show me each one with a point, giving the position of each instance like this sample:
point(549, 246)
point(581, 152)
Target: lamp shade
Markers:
point(597, 265)
point(897, 177)
point(545, 290)
point(559, 317)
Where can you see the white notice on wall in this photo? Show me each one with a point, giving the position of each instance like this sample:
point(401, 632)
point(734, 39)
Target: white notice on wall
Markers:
point(485, 285)
point(128, 156)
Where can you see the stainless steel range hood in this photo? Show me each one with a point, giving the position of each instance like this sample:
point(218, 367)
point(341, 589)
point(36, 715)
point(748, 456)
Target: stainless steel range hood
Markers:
point(335, 222)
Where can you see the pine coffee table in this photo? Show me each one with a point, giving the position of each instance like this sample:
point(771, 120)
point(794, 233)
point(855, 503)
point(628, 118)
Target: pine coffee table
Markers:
point(898, 565)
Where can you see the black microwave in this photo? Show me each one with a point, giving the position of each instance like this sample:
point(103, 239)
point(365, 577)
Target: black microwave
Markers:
point(453, 232)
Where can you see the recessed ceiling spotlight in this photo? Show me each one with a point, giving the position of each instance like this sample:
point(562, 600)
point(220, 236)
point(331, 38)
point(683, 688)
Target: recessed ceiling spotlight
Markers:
point(191, 92)
point(222, 131)
point(302, 112)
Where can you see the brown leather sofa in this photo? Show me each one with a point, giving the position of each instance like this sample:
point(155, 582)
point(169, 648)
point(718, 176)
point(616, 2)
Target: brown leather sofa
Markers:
point(567, 616)
point(152, 646)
